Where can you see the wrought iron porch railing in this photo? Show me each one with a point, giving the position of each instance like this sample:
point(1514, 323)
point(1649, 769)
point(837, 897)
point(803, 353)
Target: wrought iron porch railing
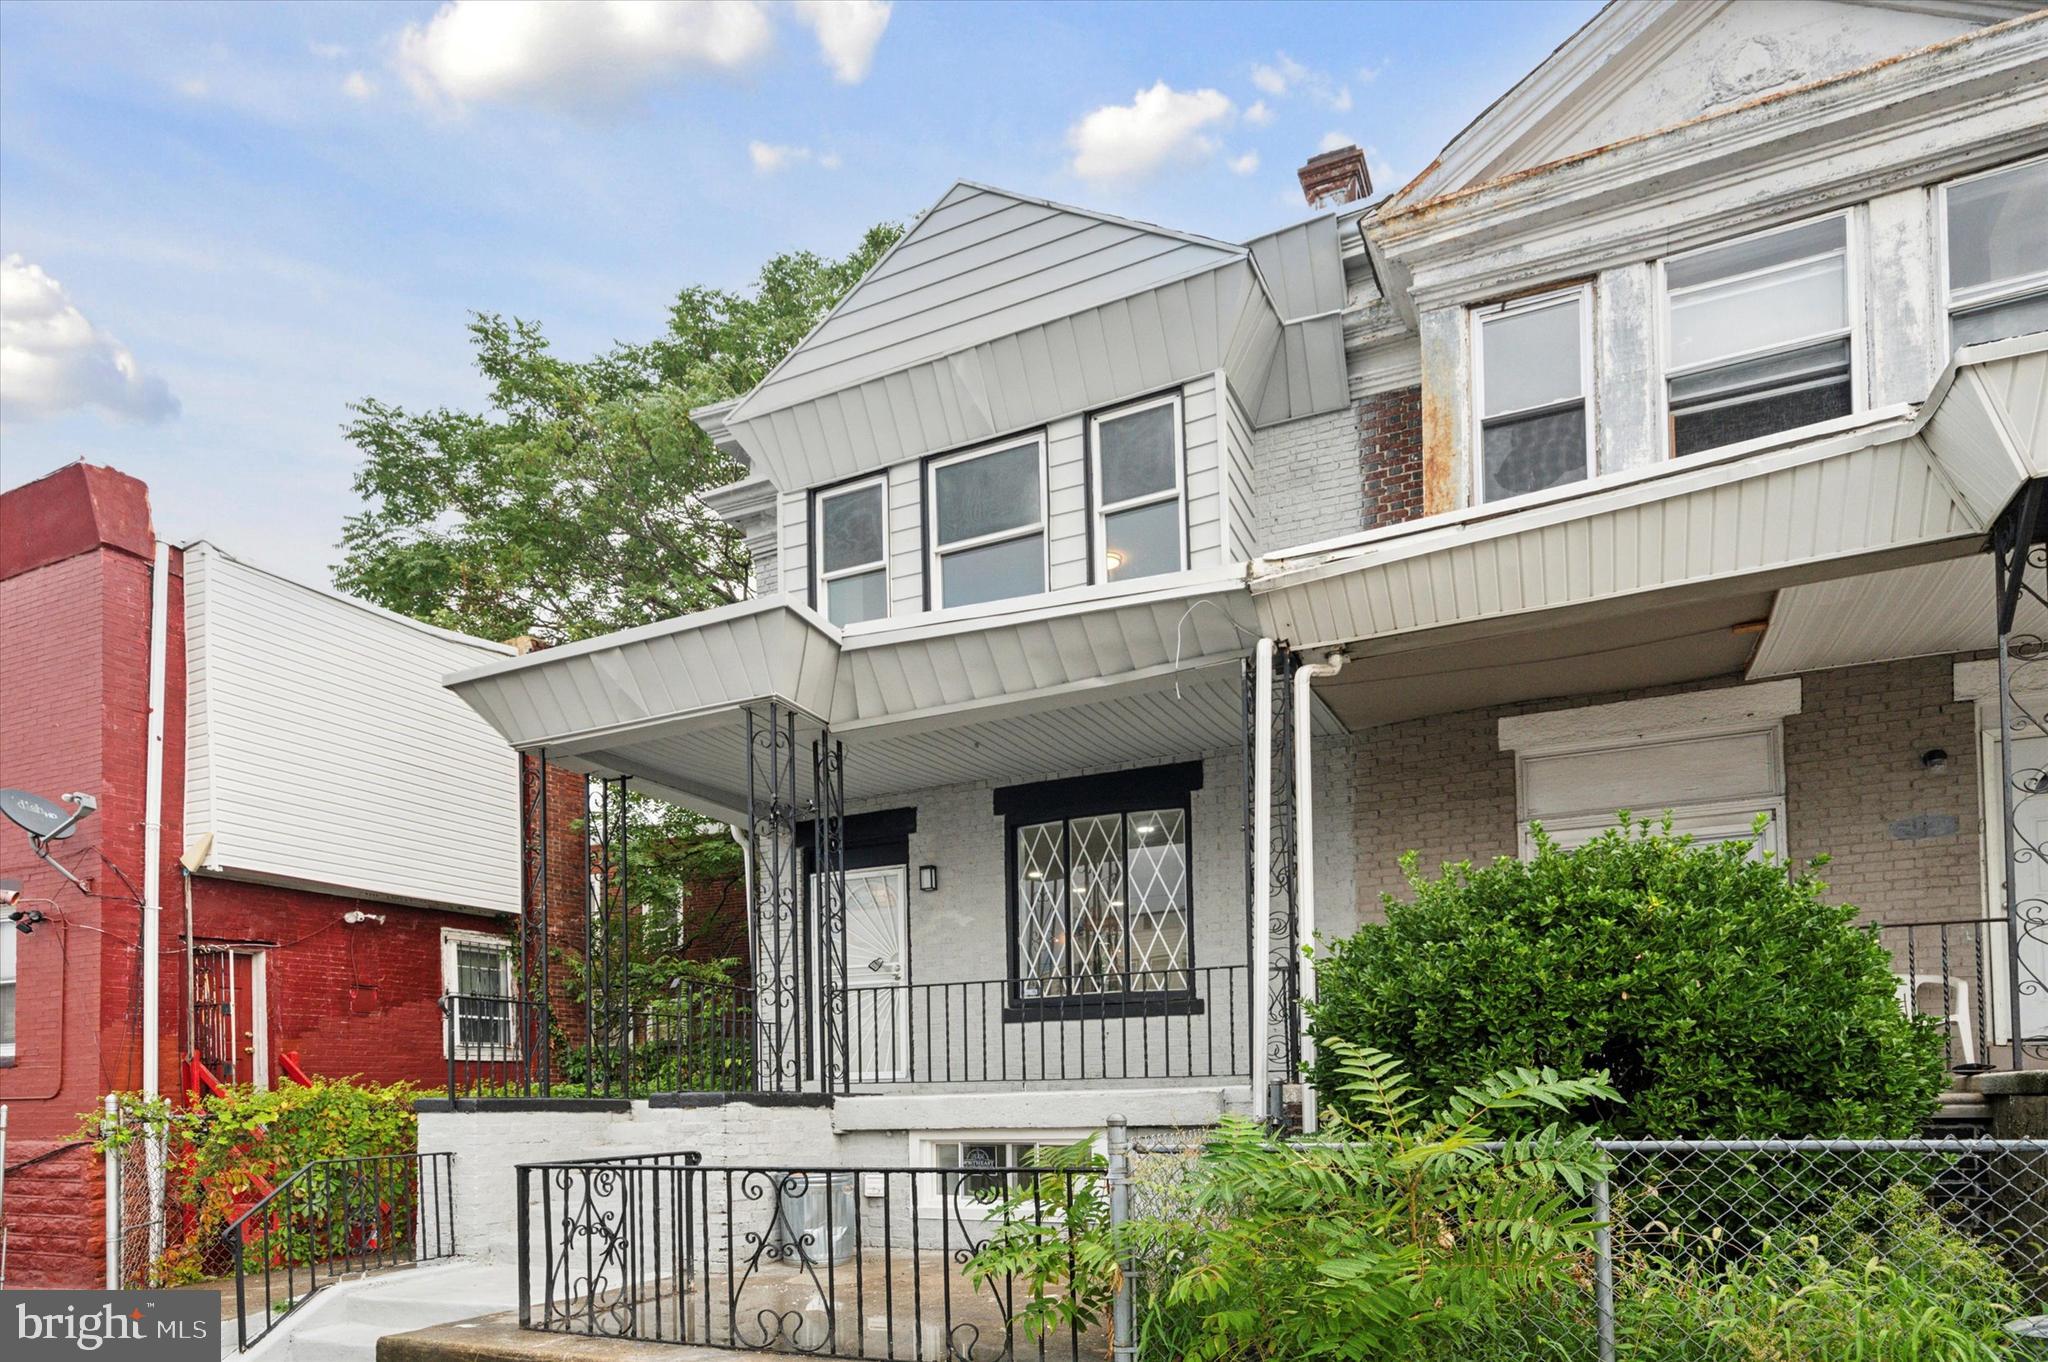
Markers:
point(337, 1218)
point(1942, 971)
point(843, 1262)
point(699, 1040)
point(1161, 1024)
point(492, 1045)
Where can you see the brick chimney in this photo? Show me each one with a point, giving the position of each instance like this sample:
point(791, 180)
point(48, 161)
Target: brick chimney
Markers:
point(1335, 177)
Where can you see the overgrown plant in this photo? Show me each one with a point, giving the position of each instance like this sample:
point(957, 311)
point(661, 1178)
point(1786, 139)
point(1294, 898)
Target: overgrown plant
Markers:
point(1718, 987)
point(1402, 1223)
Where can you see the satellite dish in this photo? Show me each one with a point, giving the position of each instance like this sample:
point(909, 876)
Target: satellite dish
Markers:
point(38, 817)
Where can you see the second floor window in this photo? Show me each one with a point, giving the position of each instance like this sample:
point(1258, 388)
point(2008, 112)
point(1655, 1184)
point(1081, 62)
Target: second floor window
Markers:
point(987, 509)
point(851, 529)
point(1998, 253)
point(1530, 369)
point(1138, 517)
point(1758, 335)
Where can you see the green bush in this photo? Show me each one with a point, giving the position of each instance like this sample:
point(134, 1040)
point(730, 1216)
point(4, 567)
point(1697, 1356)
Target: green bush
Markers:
point(1719, 992)
point(1393, 1229)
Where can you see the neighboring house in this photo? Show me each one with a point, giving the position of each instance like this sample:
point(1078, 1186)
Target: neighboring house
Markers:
point(1642, 453)
point(364, 826)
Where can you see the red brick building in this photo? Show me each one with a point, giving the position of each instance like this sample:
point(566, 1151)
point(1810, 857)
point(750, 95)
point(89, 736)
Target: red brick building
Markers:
point(364, 837)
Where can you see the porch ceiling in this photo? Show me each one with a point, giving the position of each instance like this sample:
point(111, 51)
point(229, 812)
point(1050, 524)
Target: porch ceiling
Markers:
point(1922, 611)
point(1886, 489)
point(1664, 646)
point(1041, 687)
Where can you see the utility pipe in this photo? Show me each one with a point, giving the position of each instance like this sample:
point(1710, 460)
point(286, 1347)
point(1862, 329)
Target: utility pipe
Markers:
point(153, 816)
point(1305, 861)
point(1262, 866)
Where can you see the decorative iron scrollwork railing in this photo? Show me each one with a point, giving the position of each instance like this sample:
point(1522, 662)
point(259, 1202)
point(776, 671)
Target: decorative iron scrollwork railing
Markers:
point(2020, 557)
point(821, 1262)
point(1280, 1029)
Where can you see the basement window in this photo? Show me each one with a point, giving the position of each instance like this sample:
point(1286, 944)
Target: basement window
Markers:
point(1137, 491)
point(850, 526)
point(1758, 335)
point(1530, 366)
point(1997, 238)
point(988, 523)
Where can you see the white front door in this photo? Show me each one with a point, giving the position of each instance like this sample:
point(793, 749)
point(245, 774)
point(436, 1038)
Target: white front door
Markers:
point(878, 992)
point(2029, 760)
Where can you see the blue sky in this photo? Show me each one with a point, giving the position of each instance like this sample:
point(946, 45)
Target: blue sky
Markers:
point(223, 223)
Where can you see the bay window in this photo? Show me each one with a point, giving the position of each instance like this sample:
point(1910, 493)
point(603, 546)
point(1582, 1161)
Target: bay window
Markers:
point(1099, 902)
point(1139, 521)
point(1997, 238)
point(987, 518)
point(1758, 335)
point(1531, 362)
point(850, 575)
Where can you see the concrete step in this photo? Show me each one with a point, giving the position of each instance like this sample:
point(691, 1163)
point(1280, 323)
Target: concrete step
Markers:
point(343, 1322)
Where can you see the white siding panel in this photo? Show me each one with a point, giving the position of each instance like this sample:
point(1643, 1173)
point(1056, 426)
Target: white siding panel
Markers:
point(1240, 510)
point(1067, 496)
point(906, 541)
point(795, 552)
point(327, 752)
point(1204, 434)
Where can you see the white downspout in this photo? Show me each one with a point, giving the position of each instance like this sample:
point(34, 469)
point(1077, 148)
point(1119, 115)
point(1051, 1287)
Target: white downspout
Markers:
point(152, 874)
point(1262, 866)
point(1305, 860)
point(153, 817)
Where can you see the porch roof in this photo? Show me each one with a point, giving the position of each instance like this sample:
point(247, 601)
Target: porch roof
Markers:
point(1069, 681)
point(1892, 487)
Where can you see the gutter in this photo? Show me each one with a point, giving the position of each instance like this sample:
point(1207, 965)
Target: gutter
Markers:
point(1305, 859)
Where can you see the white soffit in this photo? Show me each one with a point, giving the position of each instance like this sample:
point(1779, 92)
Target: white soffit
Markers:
point(1899, 483)
point(1923, 611)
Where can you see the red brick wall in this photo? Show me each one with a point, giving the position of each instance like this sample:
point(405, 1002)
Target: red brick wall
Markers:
point(1390, 456)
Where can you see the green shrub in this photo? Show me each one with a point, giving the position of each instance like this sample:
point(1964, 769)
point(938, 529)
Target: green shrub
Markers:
point(1719, 992)
point(1394, 1228)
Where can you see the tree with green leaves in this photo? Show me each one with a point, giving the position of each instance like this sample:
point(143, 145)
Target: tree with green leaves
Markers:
point(573, 506)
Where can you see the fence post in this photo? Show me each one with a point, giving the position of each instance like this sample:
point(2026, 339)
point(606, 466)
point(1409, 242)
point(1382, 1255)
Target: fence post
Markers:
point(1123, 1346)
point(1603, 1265)
point(522, 1174)
point(113, 1194)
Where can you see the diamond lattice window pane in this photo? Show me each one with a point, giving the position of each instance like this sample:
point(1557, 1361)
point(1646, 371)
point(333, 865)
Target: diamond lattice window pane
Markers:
point(1097, 904)
point(1041, 922)
point(1159, 899)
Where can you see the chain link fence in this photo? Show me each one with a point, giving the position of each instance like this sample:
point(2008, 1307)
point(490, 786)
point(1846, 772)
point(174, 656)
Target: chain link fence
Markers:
point(1724, 1250)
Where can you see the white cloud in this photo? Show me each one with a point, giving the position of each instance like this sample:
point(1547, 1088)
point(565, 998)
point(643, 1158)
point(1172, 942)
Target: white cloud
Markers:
point(356, 85)
point(593, 53)
point(53, 360)
point(848, 31)
point(1333, 140)
point(769, 157)
point(1284, 76)
point(194, 87)
point(1259, 114)
point(1245, 164)
point(1162, 124)
point(327, 51)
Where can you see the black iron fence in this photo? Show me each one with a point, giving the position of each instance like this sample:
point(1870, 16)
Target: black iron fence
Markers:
point(337, 1218)
point(699, 1040)
point(1942, 971)
point(1160, 1024)
point(828, 1262)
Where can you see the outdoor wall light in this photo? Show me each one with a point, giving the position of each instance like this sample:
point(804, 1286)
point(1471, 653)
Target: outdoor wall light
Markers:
point(927, 878)
point(1934, 759)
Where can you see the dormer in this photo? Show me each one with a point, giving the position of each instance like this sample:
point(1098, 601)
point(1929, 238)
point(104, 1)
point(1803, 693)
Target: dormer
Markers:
point(1024, 398)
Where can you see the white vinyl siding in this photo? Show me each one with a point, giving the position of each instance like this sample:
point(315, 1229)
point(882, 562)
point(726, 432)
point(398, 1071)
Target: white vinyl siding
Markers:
point(1203, 460)
point(906, 541)
point(1240, 509)
point(1066, 478)
point(1995, 248)
point(322, 748)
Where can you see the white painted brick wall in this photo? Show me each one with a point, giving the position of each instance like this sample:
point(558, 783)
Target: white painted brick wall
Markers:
point(1308, 479)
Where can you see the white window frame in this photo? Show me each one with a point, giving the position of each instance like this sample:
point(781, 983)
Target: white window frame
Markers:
point(1852, 303)
point(10, 973)
point(936, 554)
point(1582, 294)
point(1972, 301)
point(931, 1192)
point(451, 977)
point(1098, 570)
point(819, 576)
